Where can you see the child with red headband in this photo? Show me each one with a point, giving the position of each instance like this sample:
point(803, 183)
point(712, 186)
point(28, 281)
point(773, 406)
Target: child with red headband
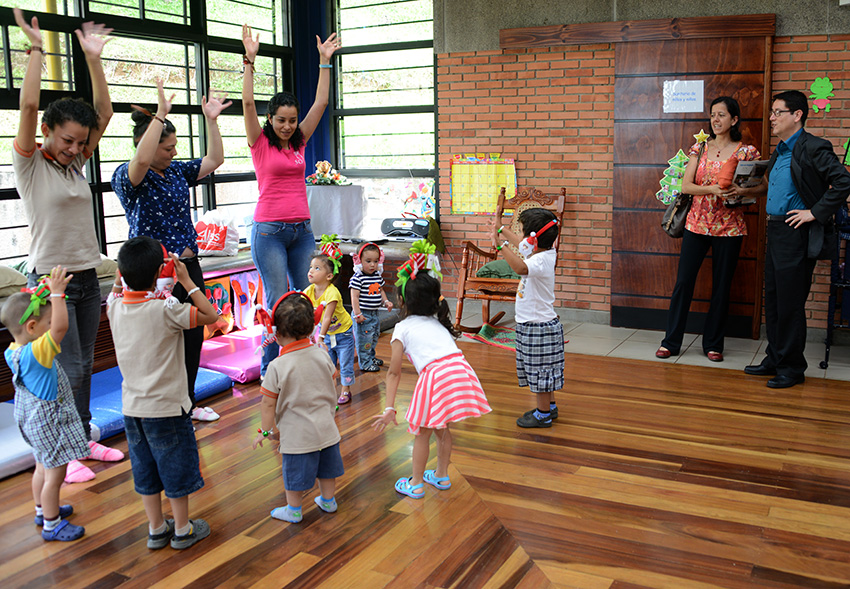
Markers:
point(335, 333)
point(539, 333)
point(367, 296)
point(44, 403)
point(297, 409)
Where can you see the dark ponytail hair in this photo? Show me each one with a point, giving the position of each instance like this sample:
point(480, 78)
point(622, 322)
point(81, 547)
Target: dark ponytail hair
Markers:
point(421, 296)
point(141, 120)
point(278, 100)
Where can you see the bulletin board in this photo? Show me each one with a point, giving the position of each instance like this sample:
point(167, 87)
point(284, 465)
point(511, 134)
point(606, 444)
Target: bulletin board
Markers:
point(476, 181)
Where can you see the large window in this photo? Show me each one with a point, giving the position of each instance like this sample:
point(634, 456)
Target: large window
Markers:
point(190, 44)
point(384, 118)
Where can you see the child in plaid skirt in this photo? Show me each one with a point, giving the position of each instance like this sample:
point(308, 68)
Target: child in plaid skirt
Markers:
point(539, 334)
point(44, 403)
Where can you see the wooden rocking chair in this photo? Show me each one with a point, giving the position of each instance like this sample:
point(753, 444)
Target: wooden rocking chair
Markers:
point(470, 285)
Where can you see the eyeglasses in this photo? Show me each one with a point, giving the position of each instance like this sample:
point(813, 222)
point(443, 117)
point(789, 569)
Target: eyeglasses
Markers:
point(778, 112)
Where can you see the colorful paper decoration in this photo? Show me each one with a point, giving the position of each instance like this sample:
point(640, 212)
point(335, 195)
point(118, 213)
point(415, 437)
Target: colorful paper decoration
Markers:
point(671, 182)
point(702, 136)
point(821, 91)
point(244, 288)
point(476, 181)
point(846, 160)
point(218, 293)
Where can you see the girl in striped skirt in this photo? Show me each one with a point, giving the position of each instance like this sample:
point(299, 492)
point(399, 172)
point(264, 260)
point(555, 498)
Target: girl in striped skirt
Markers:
point(447, 390)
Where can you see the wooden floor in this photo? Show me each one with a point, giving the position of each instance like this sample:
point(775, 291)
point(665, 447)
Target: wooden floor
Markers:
point(654, 476)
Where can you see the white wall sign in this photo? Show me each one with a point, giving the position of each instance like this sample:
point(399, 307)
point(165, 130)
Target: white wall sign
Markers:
point(683, 96)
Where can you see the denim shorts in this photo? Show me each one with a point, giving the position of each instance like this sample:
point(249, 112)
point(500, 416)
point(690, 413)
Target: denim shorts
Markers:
point(300, 471)
point(163, 455)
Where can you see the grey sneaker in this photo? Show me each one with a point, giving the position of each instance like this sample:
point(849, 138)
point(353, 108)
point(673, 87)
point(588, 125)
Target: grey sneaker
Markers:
point(325, 505)
point(553, 413)
point(161, 540)
point(200, 530)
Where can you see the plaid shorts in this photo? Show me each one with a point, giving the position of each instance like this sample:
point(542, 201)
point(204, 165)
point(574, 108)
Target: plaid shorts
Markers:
point(540, 356)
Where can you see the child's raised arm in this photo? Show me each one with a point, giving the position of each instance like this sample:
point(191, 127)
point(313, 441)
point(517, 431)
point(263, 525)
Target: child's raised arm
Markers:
point(207, 314)
point(393, 378)
point(56, 282)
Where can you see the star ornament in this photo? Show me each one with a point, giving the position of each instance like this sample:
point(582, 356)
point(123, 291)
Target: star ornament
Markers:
point(702, 136)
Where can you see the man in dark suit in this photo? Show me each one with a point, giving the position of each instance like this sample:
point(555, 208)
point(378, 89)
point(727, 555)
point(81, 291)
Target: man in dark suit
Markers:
point(806, 184)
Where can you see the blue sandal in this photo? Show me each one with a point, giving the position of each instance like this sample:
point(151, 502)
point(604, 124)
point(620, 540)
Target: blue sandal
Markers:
point(64, 512)
point(64, 532)
point(441, 483)
point(404, 487)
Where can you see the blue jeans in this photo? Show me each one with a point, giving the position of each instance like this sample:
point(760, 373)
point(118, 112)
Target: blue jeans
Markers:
point(82, 297)
point(282, 254)
point(344, 352)
point(367, 338)
point(163, 455)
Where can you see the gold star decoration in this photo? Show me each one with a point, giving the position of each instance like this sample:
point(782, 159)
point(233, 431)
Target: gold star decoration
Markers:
point(702, 136)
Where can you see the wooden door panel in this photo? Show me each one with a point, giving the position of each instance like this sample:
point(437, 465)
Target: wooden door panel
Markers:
point(638, 97)
point(655, 276)
point(734, 54)
point(653, 143)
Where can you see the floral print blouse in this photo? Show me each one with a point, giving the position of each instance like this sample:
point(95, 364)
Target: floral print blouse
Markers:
point(708, 214)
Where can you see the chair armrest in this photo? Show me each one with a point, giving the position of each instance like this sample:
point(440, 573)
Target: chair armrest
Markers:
point(468, 245)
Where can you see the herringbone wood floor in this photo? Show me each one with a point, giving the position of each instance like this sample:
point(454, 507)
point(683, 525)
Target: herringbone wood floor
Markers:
point(654, 476)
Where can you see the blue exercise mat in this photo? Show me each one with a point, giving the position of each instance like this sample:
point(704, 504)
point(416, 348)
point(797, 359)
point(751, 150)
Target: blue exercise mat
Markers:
point(105, 402)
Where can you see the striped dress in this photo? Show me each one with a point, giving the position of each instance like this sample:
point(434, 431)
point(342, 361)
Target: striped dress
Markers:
point(448, 389)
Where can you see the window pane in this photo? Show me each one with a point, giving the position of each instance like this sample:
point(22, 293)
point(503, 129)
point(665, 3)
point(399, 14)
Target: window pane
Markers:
point(226, 74)
point(237, 154)
point(387, 141)
point(8, 130)
point(14, 234)
point(366, 81)
point(132, 67)
point(237, 194)
point(366, 22)
point(263, 16)
point(65, 7)
point(55, 70)
point(176, 11)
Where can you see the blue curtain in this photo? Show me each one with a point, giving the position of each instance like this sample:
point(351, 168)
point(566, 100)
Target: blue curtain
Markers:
point(308, 20)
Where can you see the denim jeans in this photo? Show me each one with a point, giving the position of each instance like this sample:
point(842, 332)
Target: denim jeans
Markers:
point(163, 455)
point(344, 352)
point(367, 338)
point(282, 254)
point(82, 297)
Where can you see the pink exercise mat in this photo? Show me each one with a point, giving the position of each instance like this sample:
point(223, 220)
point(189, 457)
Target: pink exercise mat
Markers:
point(233, 354)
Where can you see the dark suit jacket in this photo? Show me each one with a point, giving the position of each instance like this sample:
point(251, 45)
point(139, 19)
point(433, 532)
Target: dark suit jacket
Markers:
point(823, 183)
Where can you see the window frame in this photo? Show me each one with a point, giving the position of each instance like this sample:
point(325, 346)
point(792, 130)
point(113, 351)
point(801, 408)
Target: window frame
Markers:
point(195, 37)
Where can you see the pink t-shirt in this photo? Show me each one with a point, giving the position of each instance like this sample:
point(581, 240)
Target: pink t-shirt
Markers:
point(280, 179)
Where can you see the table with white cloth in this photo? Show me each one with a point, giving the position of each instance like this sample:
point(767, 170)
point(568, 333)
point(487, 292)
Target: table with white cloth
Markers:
point(336, 209)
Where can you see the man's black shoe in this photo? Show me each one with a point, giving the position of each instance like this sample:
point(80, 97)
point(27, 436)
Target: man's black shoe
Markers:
point(783, 382)
point(759, 370)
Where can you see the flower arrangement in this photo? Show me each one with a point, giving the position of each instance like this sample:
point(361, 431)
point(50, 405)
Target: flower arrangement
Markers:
point(326, 176)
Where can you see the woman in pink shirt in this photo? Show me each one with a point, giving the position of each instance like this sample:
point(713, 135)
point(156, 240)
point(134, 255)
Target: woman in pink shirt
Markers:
point(282, 241)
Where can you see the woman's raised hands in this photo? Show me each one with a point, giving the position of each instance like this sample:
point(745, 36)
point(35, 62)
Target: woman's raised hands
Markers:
point(31, 30)
point(93, 38)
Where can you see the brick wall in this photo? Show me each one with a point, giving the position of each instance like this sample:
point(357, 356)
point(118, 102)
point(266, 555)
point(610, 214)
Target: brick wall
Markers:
point(797, 61)
point(552, 110)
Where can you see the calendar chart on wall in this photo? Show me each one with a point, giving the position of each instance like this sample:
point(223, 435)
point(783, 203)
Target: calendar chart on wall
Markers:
point(476, 181)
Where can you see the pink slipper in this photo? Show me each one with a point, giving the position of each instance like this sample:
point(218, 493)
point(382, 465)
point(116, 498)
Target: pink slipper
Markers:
point(104, 453)
point(204, 414)
point(77, 472)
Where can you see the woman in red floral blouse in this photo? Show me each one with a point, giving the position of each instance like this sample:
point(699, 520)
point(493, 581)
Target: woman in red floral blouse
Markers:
point(710, 224)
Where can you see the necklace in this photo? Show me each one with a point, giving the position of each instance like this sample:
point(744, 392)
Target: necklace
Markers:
point(720, 149)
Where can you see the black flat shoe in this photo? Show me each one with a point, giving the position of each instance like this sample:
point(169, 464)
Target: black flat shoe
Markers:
point(782, 381)
point(759, 370)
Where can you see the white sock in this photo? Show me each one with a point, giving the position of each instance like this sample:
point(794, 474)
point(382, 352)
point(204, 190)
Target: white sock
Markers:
point(158, 530)
point(39, 510)
point(50, 524)
point(184, 531)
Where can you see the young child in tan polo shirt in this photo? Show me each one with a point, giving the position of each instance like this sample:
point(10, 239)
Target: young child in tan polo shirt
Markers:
point(148, 336)
point(298, 406)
